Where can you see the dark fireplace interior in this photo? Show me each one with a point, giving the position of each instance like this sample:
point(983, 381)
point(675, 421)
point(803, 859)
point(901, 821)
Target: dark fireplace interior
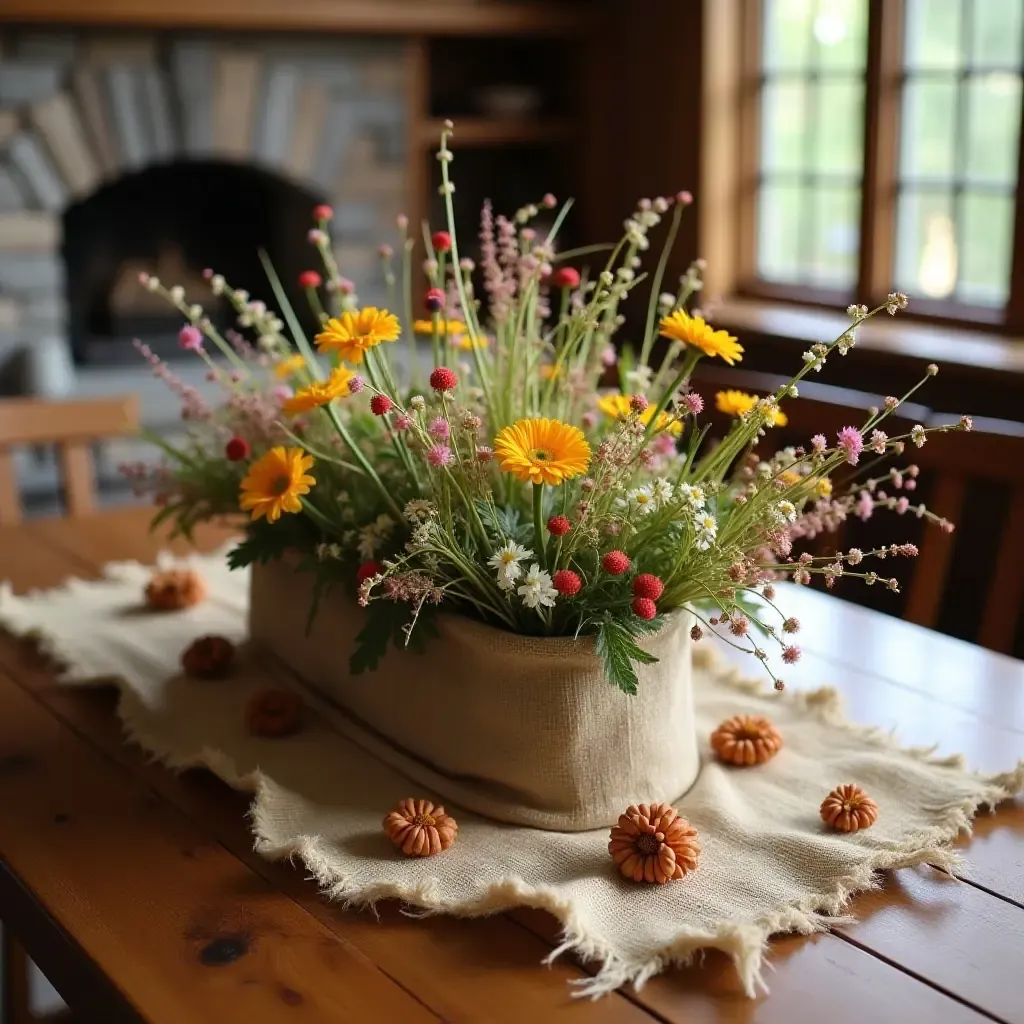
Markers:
point(173, 221)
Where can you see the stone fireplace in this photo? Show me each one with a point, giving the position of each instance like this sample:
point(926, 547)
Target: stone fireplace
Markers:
point(168, 153)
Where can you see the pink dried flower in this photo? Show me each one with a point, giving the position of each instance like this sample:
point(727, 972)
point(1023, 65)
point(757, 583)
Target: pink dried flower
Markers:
point(439, 455)
point(190, 338)
point(638, 403)
point(791, 655)
point(819, 443)
point(791, 625)
point(802, 577)
point(855, 556)
point(355, 385)
point(852, 444)
point(893, 584)
point(902, 505)
point(403, 421)
point(966, 423)
point(696, 633)
point(438, 429)
point(739, 625)
point(484, 454)
point(471, 422)
point(589, 420)
point(769, 592)
point(692, 403)
point(878, 440)
point(316, 237)
point(609, 355)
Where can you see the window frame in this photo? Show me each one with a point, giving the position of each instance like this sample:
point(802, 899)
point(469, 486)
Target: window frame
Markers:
point(884, 79)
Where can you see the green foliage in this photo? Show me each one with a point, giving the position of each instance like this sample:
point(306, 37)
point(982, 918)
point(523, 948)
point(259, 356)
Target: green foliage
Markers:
point(618, 649)
point(504, 522)
point(265, 542)
point(385, 623)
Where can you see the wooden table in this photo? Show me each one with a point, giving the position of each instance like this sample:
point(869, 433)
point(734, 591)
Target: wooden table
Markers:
point(139, 894)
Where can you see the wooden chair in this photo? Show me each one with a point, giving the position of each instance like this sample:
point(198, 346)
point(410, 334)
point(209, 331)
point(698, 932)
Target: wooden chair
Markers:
point(73, 427)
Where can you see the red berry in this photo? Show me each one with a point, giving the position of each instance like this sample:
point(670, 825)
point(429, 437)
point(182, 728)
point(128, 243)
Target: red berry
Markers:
point(566, 277)
point(380, 404)
point(323, 212)
point(434, 300)
point(559, 525)
point(615, 562)
point(566, 582)
point(644, 607)
point(366, 570)
point(443, 379)
point(310, 279)
point(649, 586)
point(638, 403)
point(237, 449)
point(441, 241)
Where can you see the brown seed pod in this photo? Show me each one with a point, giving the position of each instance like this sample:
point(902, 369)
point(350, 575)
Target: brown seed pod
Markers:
point(746, 740)
point(420, 828)
point(652, 843)
point(274, 713)
point(175, 589)
point(209, 657)
point(848, 809)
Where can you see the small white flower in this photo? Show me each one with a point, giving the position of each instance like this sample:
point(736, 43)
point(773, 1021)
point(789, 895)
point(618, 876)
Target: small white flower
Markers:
point(640, 378)
point(695, 497)
point(505, 561)
point(639, 500)
point(374, 534)
point(662, 490)
point(177, 293)
point(536, 590)
point(707, 528)
point(419, 509)
point(918, 435)
point(786, 512)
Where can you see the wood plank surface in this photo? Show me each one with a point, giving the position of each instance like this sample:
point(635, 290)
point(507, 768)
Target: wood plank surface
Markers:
point(918, 938)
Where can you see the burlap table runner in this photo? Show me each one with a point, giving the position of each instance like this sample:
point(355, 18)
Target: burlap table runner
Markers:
point(768, 864)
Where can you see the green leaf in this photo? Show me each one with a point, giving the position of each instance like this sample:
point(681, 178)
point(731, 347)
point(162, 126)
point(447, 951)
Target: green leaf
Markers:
point(384, 620)
point(618, 651)
point(502, 522)
point(264, 543)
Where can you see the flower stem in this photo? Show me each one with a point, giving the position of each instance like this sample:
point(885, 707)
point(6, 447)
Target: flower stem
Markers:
point(538, 523)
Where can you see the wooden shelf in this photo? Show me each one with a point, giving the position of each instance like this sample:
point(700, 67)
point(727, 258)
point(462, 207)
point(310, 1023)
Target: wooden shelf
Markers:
point(390, 17)
point(495, 131)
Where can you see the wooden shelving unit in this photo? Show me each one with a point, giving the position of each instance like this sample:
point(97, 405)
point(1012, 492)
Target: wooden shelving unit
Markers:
point(498, 131)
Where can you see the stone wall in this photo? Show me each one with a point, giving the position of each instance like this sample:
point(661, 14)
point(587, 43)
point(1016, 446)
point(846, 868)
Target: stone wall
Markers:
point(78, 109)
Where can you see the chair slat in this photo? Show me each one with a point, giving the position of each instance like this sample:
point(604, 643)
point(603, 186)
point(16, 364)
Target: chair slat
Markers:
point(1003, 604)
point(26, 421)
point(10, 509)
point(76, 462)
point(926, 588)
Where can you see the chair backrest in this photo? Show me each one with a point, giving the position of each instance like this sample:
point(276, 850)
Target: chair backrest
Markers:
point(954, 465)
point(70, 426)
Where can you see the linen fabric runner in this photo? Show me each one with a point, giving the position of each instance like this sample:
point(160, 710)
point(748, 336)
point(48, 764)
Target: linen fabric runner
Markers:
point(768, 863)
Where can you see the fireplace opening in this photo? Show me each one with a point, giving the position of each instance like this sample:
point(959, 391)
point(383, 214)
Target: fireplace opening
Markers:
point(173, 221)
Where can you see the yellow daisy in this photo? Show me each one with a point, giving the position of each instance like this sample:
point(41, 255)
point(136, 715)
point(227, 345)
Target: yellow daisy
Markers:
point(694, 331)
point(275, 483)
point(455, 327)
point(542, 451)
point(739, 403)
point(351, 335)
point(618, 408)
point(823, 488)
point(293, 364)
point(320, 392)
point(467, 344)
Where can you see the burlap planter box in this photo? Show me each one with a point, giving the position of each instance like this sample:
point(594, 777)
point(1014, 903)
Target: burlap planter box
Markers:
point(522, 729)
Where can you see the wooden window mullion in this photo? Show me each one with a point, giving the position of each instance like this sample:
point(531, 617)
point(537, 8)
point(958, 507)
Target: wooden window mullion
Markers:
point(1014, 313)
point(881, 150)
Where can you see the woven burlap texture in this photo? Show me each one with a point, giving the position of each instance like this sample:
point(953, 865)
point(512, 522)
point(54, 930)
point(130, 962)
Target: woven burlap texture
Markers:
point(768, 864)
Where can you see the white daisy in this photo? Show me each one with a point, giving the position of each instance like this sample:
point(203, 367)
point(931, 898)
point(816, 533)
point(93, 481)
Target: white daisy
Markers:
point(706, 527)
point(536, 590)
point(662, 490)
point(694, 496)
point(785, 511)
point(505, 561)
point(640, 501)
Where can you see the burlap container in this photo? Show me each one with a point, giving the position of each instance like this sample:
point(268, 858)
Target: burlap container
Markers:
point(522, 729)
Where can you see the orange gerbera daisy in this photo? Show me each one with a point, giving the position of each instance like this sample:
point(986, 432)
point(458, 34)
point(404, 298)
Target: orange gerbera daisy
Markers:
point(618, 408)
point(694, 331)
point(455, 327)
point(351, 335)
point(542, 451)
point(275, 483)
point(320, 392)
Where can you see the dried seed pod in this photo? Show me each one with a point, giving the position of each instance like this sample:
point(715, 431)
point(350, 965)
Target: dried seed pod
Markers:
point(420, 828)
point(174, 589)
point(274, 713)
point(746, 740)
point(652, 843)
point(848, 809)
point(209, 657)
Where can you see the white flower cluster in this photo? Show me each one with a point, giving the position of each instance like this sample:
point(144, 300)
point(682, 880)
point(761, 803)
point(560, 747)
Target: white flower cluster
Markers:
point(374, 534)
point(642, 501)
point(536, 589)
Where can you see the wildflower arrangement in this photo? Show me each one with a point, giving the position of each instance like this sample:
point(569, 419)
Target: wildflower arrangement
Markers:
point(533, 476)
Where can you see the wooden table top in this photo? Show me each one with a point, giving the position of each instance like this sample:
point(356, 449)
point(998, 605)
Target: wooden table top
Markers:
point(139, 894)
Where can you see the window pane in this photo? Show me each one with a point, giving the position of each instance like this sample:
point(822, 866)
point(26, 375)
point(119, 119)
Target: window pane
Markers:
point(926, 249)
point(987, 241)
point(840, 34)
point(933, 33)
point(779, 231)
point(928, 128)
point(993, 123)
point(839, 134)
point(835, 236)
point(783, 126)
point(996, 33)
point(786, 39)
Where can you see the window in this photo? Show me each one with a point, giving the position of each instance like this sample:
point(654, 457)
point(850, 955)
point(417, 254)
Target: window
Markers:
point(889, 144)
